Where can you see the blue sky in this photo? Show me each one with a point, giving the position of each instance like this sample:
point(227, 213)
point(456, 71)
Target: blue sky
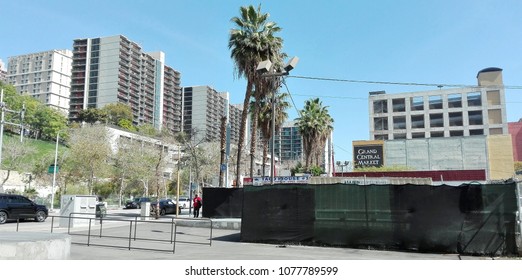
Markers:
point(436, 42)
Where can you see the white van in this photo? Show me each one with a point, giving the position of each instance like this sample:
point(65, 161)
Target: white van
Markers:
point(184, 202)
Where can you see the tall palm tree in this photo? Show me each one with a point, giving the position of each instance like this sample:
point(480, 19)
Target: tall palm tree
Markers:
point(251, 42)
point(264, 120)
point(315, 125)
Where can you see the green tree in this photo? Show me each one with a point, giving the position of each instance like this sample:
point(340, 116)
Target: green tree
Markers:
point(127, 124)
point(89, 153)
point(48, 122)
point(14, 155)
point(315, 126)
point(126, 162)
point(92, 115)
point(252, 41)
point(264, 119)
point(117, 112)
point(147, 129)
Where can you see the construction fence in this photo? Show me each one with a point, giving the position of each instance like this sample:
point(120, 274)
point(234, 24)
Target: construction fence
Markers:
point(468, 219)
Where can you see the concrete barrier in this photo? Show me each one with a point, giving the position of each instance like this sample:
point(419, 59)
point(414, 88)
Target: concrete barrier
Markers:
point(34, 246)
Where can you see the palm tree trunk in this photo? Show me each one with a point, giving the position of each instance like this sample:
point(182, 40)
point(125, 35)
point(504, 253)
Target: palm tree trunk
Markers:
point(265, 155)
point(223, 149)
point(242, 130)
point(253, 140)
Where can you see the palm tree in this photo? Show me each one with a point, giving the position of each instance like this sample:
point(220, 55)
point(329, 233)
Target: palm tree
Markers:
point(315, 126)
point(252, 41)
point(264, 120)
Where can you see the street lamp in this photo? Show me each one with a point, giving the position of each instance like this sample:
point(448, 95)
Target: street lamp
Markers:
point(342, 165)
point(264, 68)
point(54, 170)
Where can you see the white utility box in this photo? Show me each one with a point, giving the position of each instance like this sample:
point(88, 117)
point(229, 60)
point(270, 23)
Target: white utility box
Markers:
point(79, 208)
point(145, 210)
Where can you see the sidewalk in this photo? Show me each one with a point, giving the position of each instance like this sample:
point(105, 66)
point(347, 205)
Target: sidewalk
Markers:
point(225, 245)
point(195, 241)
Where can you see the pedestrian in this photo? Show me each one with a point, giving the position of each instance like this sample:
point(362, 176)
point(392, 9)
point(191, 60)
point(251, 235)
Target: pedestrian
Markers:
point(197, 203)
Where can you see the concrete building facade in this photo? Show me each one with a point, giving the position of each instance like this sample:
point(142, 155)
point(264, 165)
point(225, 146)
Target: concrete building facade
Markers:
point(460, 129)
point(468, 111)
point(289, 143)
point(3, 72)
point(45, 76)
point(203, 108)
point(116, 70)
point(515, 129)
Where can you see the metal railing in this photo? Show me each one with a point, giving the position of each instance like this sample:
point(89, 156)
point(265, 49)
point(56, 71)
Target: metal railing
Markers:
point(133, 237)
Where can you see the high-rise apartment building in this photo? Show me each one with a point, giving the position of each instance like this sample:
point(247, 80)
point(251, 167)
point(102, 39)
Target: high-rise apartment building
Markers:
point(467, 111)
point(45, 76)
point(203, 108)
point(3, 72)
point(289, 143)
point(116, 70)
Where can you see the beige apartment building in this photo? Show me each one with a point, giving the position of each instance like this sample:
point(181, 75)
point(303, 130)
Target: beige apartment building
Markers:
point(45, 76)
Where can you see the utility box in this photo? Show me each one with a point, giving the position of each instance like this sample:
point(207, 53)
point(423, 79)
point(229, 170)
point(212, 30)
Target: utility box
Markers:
point(145, 210)
point(79, 208)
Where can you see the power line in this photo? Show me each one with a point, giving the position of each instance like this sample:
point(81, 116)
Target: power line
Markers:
point(287, 90)
point(395, 83)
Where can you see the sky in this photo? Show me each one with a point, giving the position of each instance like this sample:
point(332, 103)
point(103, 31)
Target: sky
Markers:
point(428, 42)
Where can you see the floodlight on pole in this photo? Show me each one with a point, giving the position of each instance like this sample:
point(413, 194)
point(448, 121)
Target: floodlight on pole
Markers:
point(264, 68)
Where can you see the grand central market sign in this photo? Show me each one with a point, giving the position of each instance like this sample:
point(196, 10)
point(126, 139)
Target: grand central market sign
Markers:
point(368, 156)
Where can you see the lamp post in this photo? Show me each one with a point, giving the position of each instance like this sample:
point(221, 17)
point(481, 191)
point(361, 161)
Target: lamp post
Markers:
point(54, 170)
point(264, 68)
point(342, 165)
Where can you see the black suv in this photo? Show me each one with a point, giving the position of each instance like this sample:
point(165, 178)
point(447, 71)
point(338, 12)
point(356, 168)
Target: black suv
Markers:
point(13, 206)
point(136, 203)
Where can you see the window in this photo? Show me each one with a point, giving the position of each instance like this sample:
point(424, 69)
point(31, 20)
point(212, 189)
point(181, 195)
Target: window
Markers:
point(493, 97)
point(456, 133)
point(399, 122)
point(455, 119)
point(381, 137)
point(493, 131)
point(495, 116)
point(417, 121)
point(399, 136)
point(380, 106)
point(455, 100)
point(417, 103)
point(399, 105)
point(435, 102)
point(380, 123)
point(436, 120)
point(476, 132)
point(474, 99)
point(418, 135)
point(437, 134)
point(475, 118)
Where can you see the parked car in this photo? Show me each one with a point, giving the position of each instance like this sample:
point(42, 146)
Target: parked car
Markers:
point(184, 202)
point(136, 203)
point(166, 205)
point(13, 206)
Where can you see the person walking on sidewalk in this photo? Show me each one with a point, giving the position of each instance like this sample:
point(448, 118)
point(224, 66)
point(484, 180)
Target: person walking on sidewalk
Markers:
point(197, 203)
